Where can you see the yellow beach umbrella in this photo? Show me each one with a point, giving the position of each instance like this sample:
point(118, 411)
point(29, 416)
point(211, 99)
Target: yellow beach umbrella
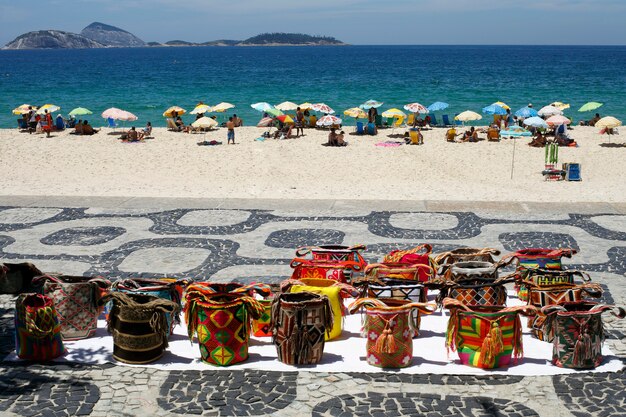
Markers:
point(608, 122)
point(222, 107)
point(468, 116)
point(287, 106)
point(201, 108)
point(170, 112)
point(503, 105)
point(306, 106)
point(355, 112)
point(560, 105)
point(393, 113)
point(50, 107)
point(23, 109)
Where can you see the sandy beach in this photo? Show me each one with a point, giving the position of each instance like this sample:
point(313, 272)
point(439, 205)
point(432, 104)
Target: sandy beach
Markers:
point(173, 165)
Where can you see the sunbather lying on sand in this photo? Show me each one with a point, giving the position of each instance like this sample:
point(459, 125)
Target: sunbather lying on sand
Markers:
point(539, 141)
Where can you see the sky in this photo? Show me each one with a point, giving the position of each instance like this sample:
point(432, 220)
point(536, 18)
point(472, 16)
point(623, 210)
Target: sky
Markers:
point(366, 22)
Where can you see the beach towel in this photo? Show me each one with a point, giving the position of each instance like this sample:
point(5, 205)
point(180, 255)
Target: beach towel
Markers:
point(389, 144)
point(209, 143)
point(261, 139)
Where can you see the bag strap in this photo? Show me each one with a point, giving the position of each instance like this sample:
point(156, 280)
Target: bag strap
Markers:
point(372, 269)
point(305, 250)
point(298, 261)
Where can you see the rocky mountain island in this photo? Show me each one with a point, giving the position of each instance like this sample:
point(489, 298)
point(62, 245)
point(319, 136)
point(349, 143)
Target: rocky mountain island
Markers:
point(100, 35)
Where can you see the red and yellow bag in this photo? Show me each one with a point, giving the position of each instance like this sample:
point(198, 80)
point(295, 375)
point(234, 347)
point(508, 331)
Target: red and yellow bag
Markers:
point(419, 255)
point(485, 336)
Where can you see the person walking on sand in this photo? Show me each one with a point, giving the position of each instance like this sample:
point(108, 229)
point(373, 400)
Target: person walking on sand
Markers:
point(230, 125)
point(299, 122)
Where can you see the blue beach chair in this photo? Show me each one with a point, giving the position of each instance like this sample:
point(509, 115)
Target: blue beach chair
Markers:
point(111, 123)
point(433, 120)
point(360, 130)
point(446, 120)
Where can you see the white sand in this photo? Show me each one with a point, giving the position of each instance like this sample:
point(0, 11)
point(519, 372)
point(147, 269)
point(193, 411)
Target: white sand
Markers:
point(172, 165)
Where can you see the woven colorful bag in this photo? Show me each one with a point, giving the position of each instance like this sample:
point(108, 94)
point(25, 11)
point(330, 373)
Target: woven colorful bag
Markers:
point(166, 289)
point(395, 288)
point(543, 296)
point(540, 257)
point(544, 278)
point(417, 272)
point(37, 328)
point(475, 292)
point(220, 315)
point(138, 324)
point(335, 291)
point(334, 253)
point(76, 300)
point(445, 259)
point(578, 333)
point(262, 327)
point(300, 323)
point(389, 330)
point(17, 277)
point(485, 336)
point(419, 255)
point(320, 269)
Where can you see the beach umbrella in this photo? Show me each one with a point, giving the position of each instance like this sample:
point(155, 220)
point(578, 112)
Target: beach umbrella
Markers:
point(393, 113)
point(285, 118)
point(274, 112)
point(286, 106)
point(170, 111)
point(503, 105)
point(592, 105)
point(468, 116)
point(262, 106)
point(494, 109)
point(201, 109)
point(415, 108)
point(265, 122)
point(608, 122)
point(328, 120)
point(222, 107)
point(526, 112)
point(306, 106)
point(50, 107)
point(356, 113)
point(323, 108)
point(371, 103)
point(23, 109)
point(118, 114)
point(80, 111)
point(535, 121)
point(560, 105)
point(437, 106)
point(558, 120)
point(549, 111)
point(205, 122)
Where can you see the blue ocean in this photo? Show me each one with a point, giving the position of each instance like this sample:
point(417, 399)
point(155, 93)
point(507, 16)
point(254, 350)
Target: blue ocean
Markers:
point(146, 81)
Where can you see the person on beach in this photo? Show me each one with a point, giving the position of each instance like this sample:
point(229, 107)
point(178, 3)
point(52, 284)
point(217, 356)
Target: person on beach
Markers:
point(181, 125)
point(451, 135)
point(32, 120)
point(230, 125)
point(237, 121)
point(307, 117)
point(508, 121)
point(335, 139)
point(147, 131)
point(133, 136)
point(299, 122)
point(539, 141)
point(88, 129)
point(470, 135)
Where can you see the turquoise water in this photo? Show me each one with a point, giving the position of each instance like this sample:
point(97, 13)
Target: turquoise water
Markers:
point(146, 81)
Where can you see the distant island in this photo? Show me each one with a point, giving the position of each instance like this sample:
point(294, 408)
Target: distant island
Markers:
point(101, 35)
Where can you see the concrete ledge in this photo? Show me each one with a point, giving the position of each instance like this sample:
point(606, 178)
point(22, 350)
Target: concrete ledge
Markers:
point(308, 205)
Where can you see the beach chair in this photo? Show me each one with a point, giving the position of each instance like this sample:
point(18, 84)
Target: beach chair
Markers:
point(360, 130)
point(379, 121)
point(446, 120)
point(414, 136)
point(410, 120)
point(457, 122)
point(396, 124)
point(371, 129)
point(433, 120)
point(390, 121)
point(21, 124)
point(171, 125)
point(111, 123)
point(493, 135)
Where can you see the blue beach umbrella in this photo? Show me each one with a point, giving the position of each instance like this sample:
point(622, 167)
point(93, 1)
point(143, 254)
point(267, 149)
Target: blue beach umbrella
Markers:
point(438, 105)
point(526, 112)
point(536, 121)
point(494, 109)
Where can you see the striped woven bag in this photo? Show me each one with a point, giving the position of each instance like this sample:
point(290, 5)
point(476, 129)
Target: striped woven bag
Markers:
point(37, 328)
point(485, 336)
point(220, 315)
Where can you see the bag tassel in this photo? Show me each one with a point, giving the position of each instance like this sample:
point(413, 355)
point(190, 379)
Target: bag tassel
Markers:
point(386, 342)
point(582, 348)
point(492, 344)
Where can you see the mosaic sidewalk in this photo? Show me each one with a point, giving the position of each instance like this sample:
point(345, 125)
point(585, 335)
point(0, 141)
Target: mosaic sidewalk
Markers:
point(256, 245)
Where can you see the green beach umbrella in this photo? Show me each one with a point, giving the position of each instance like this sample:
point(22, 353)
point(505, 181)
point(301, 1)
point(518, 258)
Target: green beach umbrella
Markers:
point(274, 112)
point(80, 111)
point(592, 105)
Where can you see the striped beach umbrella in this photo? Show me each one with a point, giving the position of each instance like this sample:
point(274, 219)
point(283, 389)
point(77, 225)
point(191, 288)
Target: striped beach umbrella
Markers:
point(50, 107)
point(503, 105)
point(23, 109)
point(356, 113)
point(393, 113)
